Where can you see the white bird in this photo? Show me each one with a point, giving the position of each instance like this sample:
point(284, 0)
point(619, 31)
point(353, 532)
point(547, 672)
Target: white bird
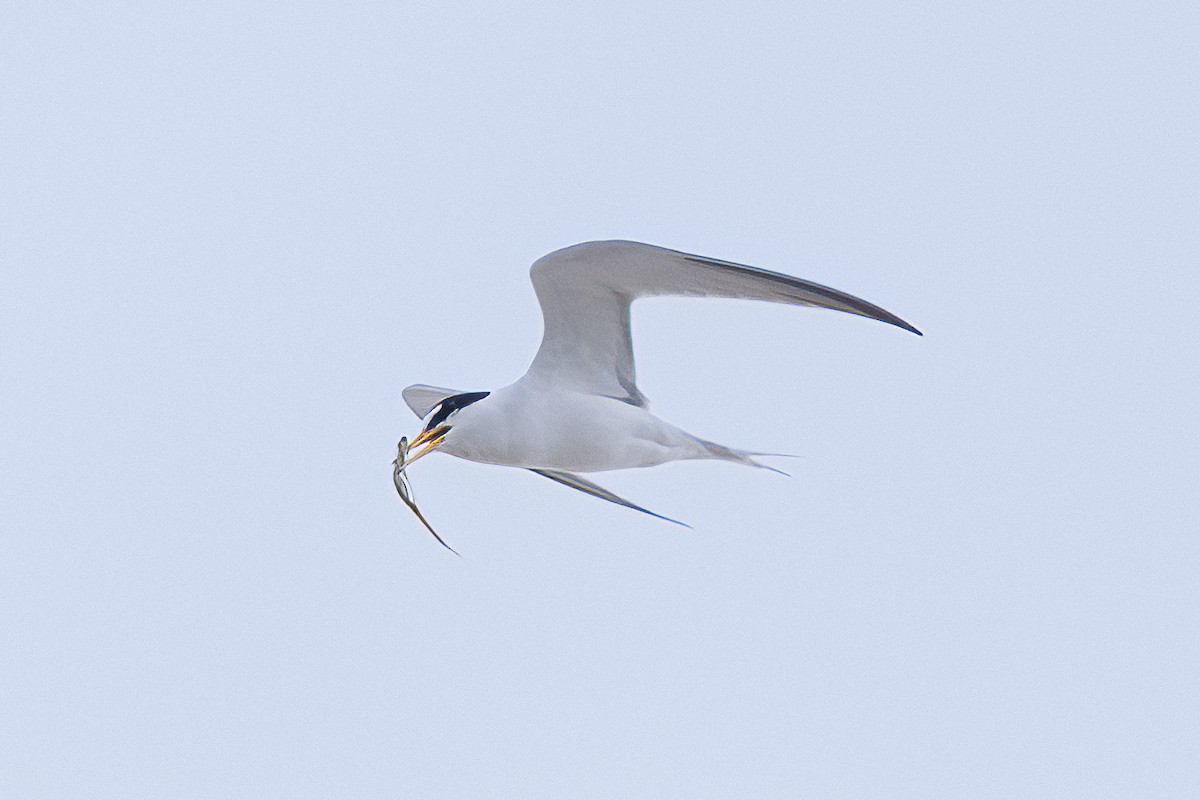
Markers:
point(578, 407)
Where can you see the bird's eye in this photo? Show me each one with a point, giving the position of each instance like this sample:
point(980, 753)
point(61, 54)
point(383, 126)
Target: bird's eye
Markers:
point(440, 415)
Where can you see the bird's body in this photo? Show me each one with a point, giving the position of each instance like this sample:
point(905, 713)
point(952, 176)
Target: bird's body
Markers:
point(578, 408)
point(542, 428)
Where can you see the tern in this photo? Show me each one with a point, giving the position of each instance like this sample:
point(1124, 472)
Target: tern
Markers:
point(578, 408)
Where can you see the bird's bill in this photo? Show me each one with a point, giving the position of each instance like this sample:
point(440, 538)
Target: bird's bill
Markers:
point(430, 440)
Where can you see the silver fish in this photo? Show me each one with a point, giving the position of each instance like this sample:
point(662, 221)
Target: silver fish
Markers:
point(404, 489)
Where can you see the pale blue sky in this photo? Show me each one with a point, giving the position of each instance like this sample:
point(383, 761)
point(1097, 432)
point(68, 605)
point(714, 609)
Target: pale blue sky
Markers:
point(232, 235)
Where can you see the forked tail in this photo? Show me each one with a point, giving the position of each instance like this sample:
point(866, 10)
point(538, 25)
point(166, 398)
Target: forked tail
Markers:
point(745, 457)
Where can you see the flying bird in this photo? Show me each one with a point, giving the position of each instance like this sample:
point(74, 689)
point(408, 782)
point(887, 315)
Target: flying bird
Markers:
point(578, 408)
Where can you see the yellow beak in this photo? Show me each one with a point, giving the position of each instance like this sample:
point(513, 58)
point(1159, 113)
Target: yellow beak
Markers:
point(429, 440)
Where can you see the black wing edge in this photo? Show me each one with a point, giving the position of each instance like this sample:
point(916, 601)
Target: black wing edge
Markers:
point(587, 487)
point(854, 305)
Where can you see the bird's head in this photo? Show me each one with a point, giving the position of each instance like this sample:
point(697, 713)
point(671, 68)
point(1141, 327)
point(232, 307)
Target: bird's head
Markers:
point(441, 420)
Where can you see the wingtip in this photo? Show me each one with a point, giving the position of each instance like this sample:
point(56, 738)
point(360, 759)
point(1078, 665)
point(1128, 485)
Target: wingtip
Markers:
point(662, 517)
point(892, 319)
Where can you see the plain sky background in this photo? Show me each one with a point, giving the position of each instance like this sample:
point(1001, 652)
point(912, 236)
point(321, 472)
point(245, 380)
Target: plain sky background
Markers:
point(231, 233)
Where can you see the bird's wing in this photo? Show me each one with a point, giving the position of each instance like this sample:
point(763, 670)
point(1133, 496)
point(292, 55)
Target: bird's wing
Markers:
point(587, 487)
point(422, 399)
point(585, 291)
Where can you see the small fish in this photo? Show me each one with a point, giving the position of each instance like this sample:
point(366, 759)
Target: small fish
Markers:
point(404, 489)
